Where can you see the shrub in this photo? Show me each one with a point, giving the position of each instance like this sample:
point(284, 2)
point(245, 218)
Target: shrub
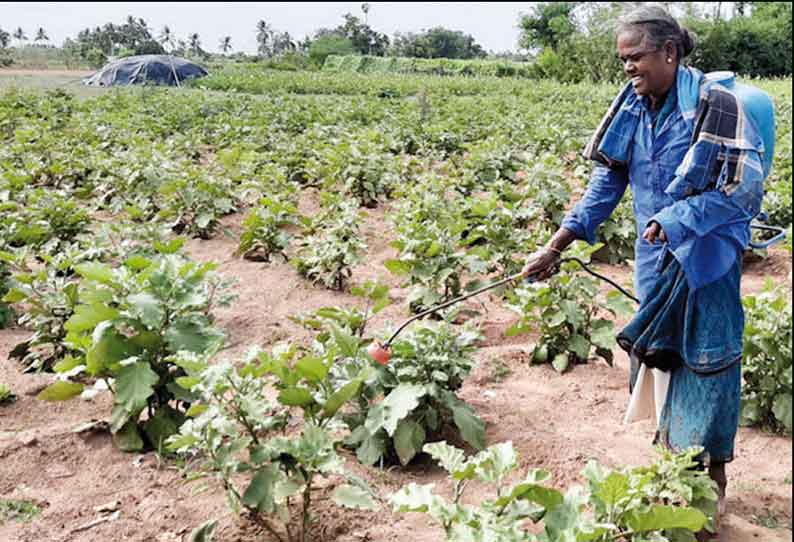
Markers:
point(665, 501)
point(278, 471)
point(766, 364)
point(130, 321)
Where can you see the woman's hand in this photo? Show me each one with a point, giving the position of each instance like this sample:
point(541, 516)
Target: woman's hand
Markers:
point(653, 232)
point(541, 264)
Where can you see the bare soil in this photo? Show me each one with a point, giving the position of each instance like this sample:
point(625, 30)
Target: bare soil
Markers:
point(557, 422)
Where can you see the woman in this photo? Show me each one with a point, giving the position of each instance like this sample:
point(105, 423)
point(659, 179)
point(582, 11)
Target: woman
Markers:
point(695, 156)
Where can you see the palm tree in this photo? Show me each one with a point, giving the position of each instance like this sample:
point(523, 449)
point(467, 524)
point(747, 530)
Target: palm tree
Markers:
point(195, 43)
point(365, 8)
point(167, 37)
point(41, 35)
point(5, 39)
point(226, 44)
point(264, 37)
point(19, 35)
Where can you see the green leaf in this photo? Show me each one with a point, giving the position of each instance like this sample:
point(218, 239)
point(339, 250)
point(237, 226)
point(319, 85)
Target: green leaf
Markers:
point(354, 497)
point(414, 498)
point(146, 308)
point(451, 459)
point(372, 448)
point(296, 397)
point(614, 488)
point(408, 440)
point(14, 295)
point(620, 304)
point(196, 410)
point(579, 346)
point(95, 271)
point(108, 347)
point(165, 423)
point(137, 263)
point(546, 497)
point(471, 427)
point(340, 397)
point(260, 492)
point(204, 532)
point(397, 405)
point(659, 517)
point(60, 391)
point(134, 384)
point(87, 317)
point(119, 416)
point(782, 408)
point(312, 369)
point(192, 335)
point(496, 462)
point(128, 438)
point(397, 267)
point(347, 343)
point(67, 364)
point(603, 334)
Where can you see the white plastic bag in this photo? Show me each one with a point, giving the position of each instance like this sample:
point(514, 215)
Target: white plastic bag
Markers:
point(649, 395)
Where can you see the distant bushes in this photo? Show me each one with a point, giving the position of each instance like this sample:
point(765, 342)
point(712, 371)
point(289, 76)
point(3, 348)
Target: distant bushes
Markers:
point(427, 66)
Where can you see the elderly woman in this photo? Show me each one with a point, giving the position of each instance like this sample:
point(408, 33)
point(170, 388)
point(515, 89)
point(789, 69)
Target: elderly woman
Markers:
point(695, 150)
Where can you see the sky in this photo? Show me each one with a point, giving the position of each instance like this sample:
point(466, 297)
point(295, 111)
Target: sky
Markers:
point(493, 24)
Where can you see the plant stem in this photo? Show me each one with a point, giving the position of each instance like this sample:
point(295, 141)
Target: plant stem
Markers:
point(307, 501)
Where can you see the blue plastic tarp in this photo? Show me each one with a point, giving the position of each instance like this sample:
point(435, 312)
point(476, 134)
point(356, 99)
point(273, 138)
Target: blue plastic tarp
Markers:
point(146, 70)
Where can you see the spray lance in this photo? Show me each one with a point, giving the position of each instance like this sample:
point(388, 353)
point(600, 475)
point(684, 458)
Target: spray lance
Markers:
point(381, 353)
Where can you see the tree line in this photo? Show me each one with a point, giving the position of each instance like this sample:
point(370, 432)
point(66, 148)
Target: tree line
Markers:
point(567, 41)
point(574, 41)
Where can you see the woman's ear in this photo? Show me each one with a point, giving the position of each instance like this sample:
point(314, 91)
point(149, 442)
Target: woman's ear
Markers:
point(670, 51)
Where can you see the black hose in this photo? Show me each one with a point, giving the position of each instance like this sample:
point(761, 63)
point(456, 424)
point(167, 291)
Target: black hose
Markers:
point(500, 283)
point(602, 277)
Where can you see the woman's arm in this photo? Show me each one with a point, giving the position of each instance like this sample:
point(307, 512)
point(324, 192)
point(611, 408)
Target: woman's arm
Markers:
point(604, 191)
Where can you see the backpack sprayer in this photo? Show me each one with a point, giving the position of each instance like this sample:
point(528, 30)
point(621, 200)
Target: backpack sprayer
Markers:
point(381, 352)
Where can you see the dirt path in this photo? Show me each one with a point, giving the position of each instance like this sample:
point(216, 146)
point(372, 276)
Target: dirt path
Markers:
point(558, 422)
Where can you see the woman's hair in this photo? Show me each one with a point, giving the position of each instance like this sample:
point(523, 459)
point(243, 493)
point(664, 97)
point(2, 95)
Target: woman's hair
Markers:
point(658, 26)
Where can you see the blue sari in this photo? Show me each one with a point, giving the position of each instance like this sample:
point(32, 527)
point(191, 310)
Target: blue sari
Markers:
point(692, 334)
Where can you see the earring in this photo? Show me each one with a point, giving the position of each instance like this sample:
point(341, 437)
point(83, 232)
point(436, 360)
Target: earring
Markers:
point(669, 60)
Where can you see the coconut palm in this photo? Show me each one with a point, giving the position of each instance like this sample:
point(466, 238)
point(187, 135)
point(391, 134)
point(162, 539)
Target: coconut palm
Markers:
point(167, 37)
point(195, 43)
point(19, 35)
point(264, 38)
point(41, 35)
point(226, 44)
point(5, 39)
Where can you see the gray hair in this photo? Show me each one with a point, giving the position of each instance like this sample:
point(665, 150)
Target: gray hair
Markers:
point(657, 26)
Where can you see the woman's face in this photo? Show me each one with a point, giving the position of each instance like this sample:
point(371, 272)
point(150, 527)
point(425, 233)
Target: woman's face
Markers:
point(650, 72)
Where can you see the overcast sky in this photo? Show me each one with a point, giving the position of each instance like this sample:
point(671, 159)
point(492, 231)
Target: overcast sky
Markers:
point(493, 25)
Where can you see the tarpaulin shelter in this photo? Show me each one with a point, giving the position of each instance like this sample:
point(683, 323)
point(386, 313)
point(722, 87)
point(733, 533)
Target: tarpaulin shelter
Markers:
point(146, 70)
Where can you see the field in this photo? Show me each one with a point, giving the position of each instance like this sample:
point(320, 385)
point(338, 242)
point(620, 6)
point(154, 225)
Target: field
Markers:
point(308, 190)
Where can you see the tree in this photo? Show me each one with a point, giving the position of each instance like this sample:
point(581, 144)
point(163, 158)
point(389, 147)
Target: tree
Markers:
point(226, 44)
point(547, 25)
point(364, 39)
point(5, 39)
point(329, 44)
point(133, 37)
point(195, 44)
point(19, 35)
point(437, 42)
point(283, 43)
point(167, 37)
point(41, 35)
point(264, 38)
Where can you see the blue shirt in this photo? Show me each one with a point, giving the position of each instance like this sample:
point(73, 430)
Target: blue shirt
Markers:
point(706, 233)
